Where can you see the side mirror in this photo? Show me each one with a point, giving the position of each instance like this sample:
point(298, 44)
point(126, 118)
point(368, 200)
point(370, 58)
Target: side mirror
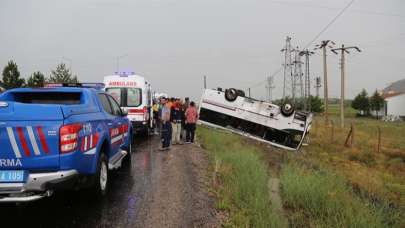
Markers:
point(124, 112)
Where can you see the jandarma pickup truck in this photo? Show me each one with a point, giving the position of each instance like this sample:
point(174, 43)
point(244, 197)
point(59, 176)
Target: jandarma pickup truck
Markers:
point(59, 138)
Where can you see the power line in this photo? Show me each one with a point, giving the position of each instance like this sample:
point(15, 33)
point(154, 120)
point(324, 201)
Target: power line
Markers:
point(330, 23)
point(313, 40)
point(297, 4)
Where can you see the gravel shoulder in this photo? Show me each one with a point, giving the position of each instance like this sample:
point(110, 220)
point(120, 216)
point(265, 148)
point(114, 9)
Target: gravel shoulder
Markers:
point(179, 193)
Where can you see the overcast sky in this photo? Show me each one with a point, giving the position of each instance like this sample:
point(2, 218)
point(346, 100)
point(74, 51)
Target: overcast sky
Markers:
point(173, 43)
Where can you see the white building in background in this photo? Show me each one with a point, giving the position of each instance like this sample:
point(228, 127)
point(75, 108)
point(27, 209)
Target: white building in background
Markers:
point(394, 96)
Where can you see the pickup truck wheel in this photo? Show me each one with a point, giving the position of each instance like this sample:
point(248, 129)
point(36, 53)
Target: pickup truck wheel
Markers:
point(100, 184)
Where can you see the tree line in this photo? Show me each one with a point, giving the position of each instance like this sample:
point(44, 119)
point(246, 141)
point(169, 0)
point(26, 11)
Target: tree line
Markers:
point(314, 103)
point(363, 103)
point(11, 77)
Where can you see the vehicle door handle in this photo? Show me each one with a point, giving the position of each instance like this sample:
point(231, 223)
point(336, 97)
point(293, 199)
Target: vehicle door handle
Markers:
point(119, 123)
point(109, 124)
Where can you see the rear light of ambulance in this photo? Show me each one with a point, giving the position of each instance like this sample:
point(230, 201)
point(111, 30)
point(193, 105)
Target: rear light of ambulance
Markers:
point(134, 110)
point(69, 137)
point(145, 113)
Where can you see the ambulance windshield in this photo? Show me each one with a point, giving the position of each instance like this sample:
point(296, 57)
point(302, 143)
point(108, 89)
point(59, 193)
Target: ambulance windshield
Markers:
point(126, 97)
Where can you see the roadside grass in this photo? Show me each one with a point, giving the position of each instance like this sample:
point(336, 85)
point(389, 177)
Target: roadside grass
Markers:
point(325, 185)
point(334, 110)
point(323, 199)
point(241, 180)
point(378, 178)
point(381, 175)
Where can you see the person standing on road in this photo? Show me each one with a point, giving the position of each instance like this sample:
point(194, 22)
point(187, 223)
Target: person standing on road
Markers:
point(155, 109)
point(176, 122)
point(191, 120)
point(184, 107)
point(166, 126)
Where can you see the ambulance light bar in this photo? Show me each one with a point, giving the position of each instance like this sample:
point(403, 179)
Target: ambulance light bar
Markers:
point(124, 73)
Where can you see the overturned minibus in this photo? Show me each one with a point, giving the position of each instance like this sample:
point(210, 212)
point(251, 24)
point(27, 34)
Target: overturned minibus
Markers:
point(231, 110)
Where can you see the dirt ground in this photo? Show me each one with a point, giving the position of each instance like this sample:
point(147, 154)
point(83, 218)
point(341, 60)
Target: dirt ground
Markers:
point(179, 196)
point(159, 189)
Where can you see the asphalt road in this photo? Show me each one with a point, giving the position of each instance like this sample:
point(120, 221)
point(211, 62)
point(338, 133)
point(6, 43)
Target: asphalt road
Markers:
point(132, 201)
point(75, 209)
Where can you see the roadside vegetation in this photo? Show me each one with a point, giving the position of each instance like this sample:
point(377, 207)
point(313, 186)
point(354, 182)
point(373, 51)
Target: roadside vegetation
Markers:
point(11, 77)
point(240, 180)
point(326, 184)
point(375, 175)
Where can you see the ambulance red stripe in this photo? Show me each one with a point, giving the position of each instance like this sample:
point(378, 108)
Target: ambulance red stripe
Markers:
point(23, 141)
point(42, 139)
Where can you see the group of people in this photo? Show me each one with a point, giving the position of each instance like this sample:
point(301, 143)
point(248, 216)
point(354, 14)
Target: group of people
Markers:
point(176, 120)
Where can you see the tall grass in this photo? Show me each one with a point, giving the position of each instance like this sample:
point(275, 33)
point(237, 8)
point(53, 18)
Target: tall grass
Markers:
point(325, 200)
point(380, 175)
point(242, 188)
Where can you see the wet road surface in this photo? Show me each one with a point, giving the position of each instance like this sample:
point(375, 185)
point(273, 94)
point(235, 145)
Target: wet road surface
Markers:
point(133, 199)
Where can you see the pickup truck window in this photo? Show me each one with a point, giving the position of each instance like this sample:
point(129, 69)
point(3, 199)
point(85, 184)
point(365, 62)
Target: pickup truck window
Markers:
point(60, 98)
point(116, 93)
point(105, 103)
point(116, 110)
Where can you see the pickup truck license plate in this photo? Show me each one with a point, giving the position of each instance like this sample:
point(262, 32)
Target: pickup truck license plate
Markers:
point(11, 176)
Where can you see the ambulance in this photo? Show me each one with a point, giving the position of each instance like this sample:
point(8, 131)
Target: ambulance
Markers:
point(134, 94)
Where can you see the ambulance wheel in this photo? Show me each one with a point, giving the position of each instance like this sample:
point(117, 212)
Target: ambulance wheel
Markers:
point(287, 109)
point(231, 94)
point(100, 184)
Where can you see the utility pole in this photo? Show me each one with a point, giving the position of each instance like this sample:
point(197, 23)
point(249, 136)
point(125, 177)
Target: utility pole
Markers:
point(323, 46)
point(297, 90)
point(317, 85)
point(288, 76)
point(205, 82)
point(343, 50)
point(269, 88)
point(307, 81)
point(249, 92)
point(296, 79)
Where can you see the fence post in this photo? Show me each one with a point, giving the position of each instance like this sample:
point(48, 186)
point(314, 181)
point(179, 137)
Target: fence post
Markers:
point(352, 138)
point(349, 137)
point(332, 135)
point(379, 140)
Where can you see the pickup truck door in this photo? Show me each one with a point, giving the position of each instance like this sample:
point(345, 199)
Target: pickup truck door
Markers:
point(111, 122)
point(121, 126)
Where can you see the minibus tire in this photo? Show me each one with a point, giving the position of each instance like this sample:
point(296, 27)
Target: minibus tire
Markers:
point(231, 94)
point(287, 109)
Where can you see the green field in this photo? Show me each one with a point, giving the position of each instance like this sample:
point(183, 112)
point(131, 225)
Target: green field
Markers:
point(326, 184)
point(334, 110)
